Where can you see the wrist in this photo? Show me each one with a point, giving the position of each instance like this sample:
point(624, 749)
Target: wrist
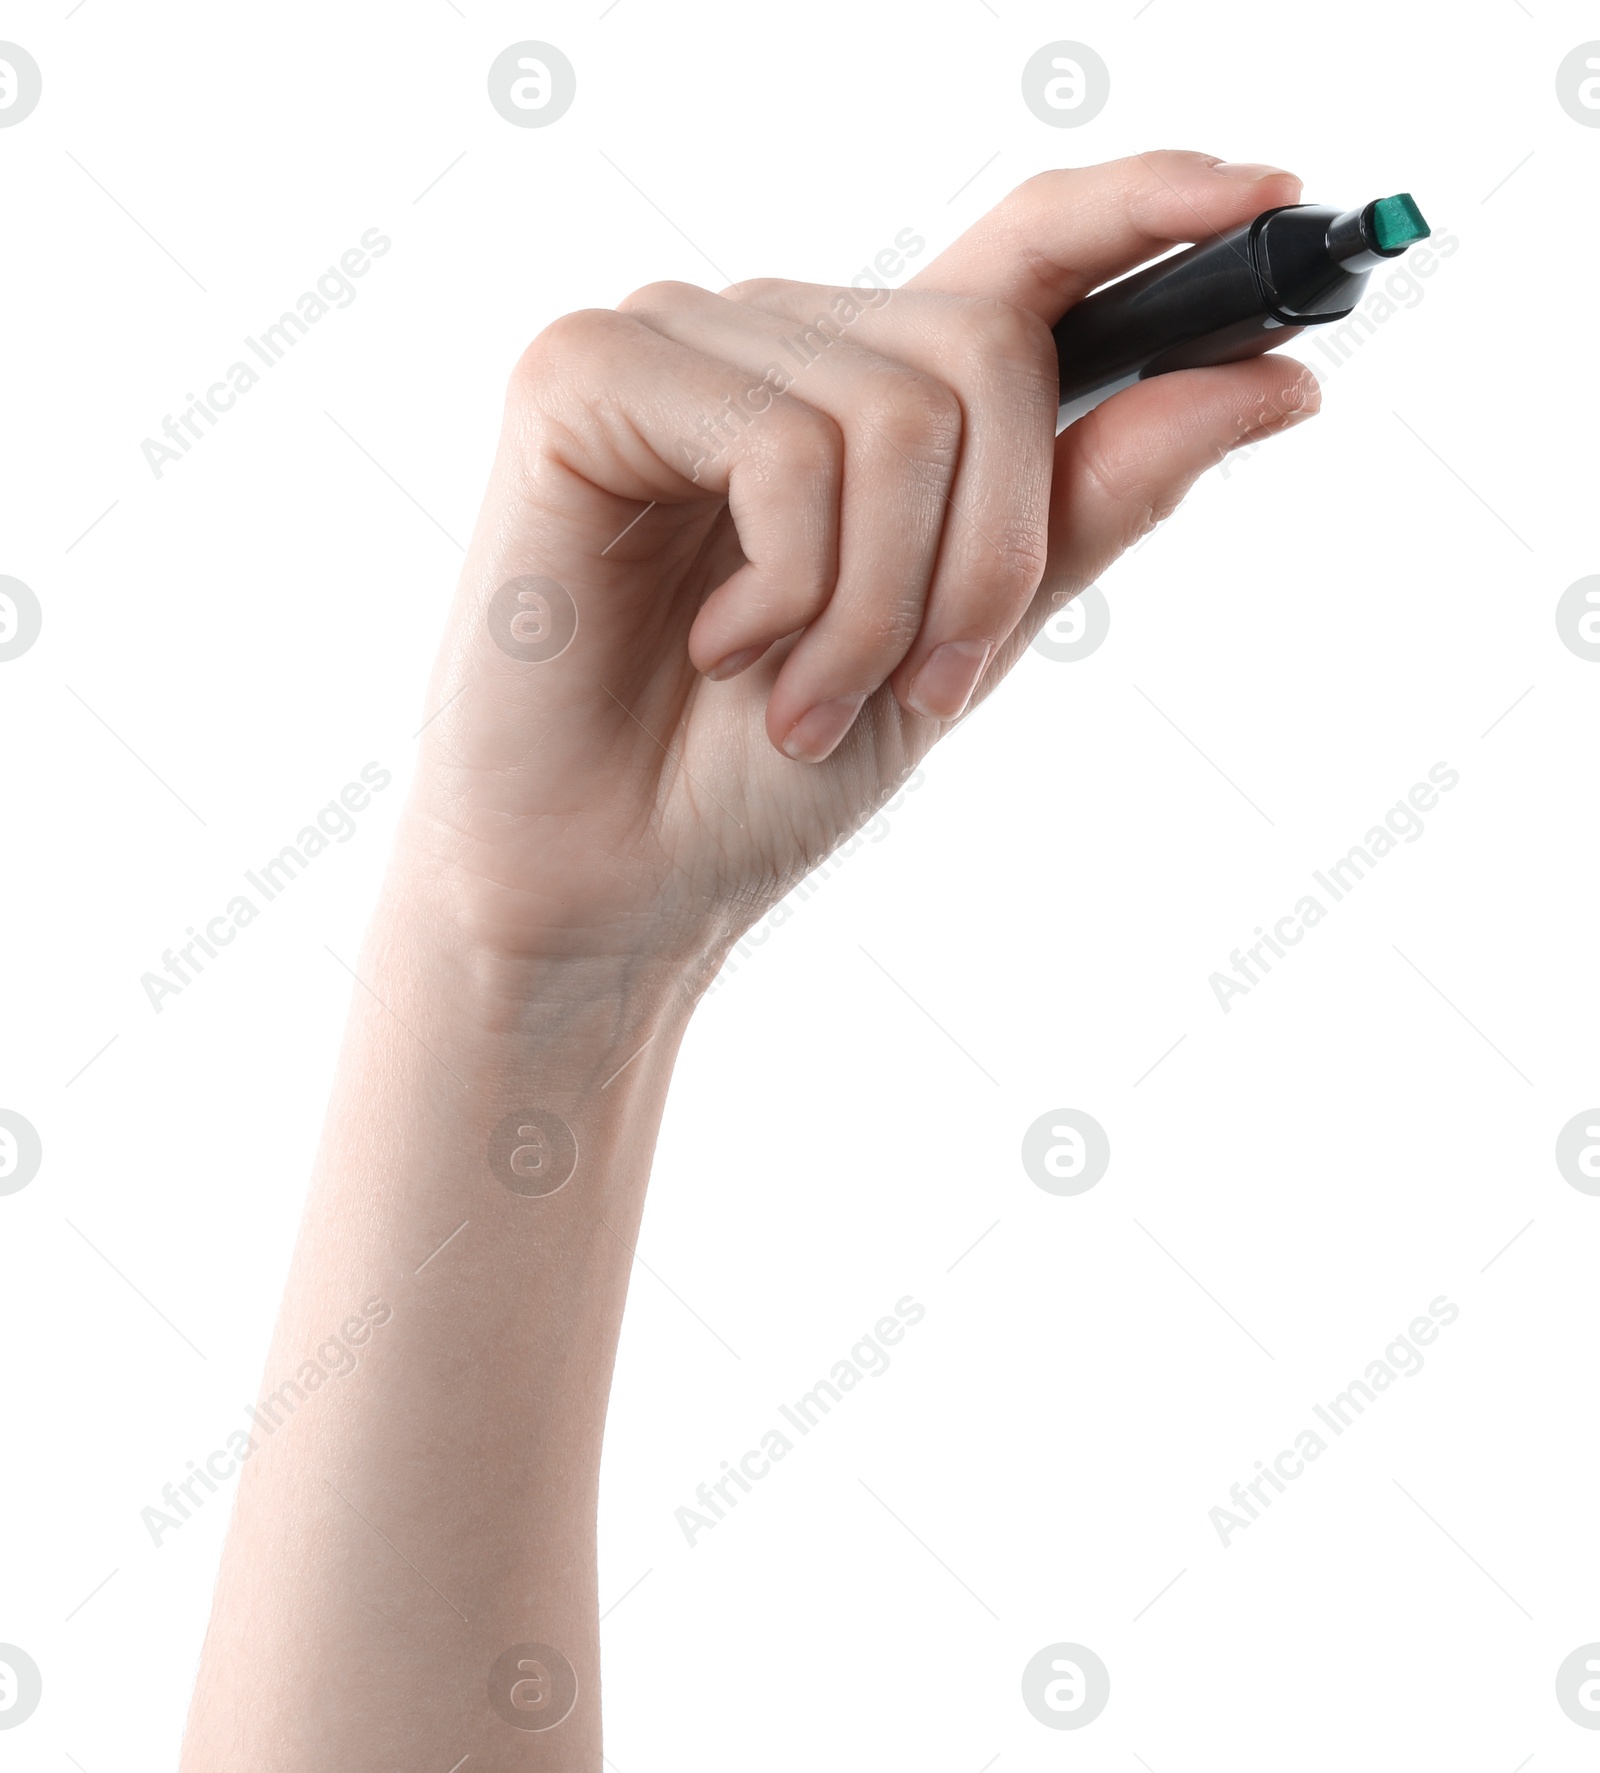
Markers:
point(525, 932)
point(500, 973)
point(518, 1093)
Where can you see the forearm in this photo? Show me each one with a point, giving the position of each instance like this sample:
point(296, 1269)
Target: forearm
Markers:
point(402, 1526)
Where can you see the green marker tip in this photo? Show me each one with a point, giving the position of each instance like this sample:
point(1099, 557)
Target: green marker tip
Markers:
point(1397, 222)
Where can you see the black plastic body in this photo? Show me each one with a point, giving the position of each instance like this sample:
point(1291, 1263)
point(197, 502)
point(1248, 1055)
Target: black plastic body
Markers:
point(1230, 297)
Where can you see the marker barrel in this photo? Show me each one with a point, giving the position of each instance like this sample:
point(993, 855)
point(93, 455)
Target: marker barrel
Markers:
point(1227, 298)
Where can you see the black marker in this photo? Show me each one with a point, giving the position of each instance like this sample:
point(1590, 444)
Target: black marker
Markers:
point(1228, 297)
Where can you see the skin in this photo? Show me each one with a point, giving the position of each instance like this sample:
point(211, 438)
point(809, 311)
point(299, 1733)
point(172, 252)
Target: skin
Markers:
point(770, 637)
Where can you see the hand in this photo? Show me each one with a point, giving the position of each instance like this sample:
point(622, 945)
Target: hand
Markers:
point(762, 649)
point(788, 582)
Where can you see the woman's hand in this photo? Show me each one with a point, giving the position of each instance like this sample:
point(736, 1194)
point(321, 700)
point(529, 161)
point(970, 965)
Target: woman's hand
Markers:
point(777, 582)
point(771, 626)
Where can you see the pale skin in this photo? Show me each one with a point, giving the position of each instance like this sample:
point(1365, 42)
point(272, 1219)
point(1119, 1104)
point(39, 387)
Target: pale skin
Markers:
point(785, 630)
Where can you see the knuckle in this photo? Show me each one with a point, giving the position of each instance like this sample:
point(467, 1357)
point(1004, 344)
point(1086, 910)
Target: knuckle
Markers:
point(883, 633)
point(998, 335)
point(807, 442)
point(755, 292)
point(1033, 209)
point(1123, 478)
point(878, 633)
point(660, 297)
point(1177, 161)
point(1036, 191)
point(916, 415)
point(1021, 550)
point(1116, 473)
point(565, 341)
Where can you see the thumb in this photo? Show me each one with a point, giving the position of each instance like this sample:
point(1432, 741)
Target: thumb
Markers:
point(1062, 233)
point(1125, 467)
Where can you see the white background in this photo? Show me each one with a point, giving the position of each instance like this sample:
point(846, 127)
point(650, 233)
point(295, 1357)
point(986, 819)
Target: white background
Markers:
point(1363, 1132)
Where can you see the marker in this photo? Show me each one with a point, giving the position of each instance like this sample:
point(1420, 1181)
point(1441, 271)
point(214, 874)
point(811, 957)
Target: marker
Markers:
point(1230, 297)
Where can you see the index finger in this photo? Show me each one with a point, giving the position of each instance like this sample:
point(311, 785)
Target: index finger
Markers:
point(1062, 233)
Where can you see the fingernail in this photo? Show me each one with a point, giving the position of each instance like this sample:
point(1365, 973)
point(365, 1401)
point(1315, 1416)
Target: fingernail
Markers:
point(814, 735)
point(1249, 170)
point(735, 663)
point(949, 675)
